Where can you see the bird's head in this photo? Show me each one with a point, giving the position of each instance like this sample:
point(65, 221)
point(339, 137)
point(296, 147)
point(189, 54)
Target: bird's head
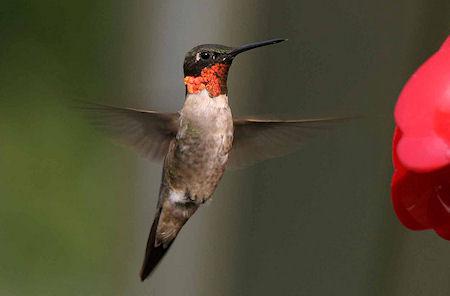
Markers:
point(206, 66)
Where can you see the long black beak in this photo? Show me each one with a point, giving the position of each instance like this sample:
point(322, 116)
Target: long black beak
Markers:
point(249, 46)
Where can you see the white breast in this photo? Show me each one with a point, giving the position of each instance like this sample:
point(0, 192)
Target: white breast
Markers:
point(212, 117)
point(201, 106)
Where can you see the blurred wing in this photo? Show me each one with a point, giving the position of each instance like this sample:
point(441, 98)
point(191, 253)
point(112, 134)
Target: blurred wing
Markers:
point(258, 139)
point(149, 133)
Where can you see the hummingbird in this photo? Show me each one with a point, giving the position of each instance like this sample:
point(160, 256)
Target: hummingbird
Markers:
point(197, 143)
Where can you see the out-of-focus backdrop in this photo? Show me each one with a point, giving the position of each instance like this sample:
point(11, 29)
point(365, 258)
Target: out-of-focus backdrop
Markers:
point(75, 210)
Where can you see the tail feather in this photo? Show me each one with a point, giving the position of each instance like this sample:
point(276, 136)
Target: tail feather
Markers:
point(168, 221)
point(153, 255)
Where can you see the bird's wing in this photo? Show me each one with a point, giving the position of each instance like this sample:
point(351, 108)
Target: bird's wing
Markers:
point(148, 132)
point(260, 139)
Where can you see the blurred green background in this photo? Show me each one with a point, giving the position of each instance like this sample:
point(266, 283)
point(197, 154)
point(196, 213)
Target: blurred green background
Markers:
point(75, 210)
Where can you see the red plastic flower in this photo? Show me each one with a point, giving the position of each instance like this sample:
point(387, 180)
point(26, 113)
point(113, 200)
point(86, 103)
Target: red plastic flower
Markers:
point(421, 147)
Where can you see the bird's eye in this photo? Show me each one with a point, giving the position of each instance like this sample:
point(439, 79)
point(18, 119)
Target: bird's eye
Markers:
point(204, 55)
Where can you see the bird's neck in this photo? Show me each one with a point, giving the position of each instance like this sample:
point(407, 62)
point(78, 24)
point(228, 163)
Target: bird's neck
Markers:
point(203, 108)
point(202, 100)
point(213, 79)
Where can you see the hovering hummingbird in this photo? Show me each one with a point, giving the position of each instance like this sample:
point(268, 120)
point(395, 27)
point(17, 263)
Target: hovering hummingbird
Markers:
point(199, 142)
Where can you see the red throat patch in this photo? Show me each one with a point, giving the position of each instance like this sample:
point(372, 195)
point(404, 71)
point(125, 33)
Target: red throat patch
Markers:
point(213, 79)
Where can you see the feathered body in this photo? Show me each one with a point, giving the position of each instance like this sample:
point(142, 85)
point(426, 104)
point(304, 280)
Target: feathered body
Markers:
point(197, 156)
point(193, 167)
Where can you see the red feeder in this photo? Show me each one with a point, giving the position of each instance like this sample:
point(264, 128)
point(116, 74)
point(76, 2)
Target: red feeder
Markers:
point(421, 147)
